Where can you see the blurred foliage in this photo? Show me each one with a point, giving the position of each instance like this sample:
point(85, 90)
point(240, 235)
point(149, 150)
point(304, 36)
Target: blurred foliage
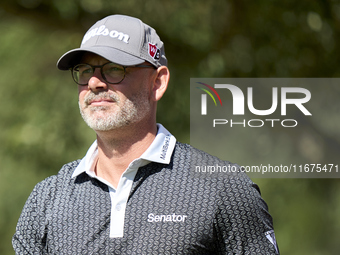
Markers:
point(42, 130)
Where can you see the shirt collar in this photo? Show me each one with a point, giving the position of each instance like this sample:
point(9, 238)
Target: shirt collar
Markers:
point(159, 151)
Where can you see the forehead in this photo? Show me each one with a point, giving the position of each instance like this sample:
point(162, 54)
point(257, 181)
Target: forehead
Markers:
point(91, 58)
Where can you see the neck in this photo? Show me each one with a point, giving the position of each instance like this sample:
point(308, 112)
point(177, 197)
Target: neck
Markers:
point(118, 148)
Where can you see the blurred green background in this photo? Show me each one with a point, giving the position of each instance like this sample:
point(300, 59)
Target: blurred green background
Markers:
point(41, 128)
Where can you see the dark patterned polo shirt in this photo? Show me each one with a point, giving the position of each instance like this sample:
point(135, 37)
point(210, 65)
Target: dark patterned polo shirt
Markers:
point(160, 206)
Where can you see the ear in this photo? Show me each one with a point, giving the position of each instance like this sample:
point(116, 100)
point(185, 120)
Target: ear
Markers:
point(160, 83)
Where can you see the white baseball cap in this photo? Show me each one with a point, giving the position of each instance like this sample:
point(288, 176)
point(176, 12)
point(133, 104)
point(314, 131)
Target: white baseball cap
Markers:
point(120, 39)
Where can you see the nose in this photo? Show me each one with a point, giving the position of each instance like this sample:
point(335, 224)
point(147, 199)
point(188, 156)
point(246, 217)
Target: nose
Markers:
point(96, 82)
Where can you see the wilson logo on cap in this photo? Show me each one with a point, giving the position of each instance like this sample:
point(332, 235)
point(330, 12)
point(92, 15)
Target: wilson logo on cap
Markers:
point(102, 30)
point(154, 52)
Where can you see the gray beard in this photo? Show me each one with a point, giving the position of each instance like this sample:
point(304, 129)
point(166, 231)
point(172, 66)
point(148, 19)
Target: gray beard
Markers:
point(130, 112)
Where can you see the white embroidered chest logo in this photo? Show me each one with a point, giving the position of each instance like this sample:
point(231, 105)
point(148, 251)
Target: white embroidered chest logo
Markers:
point(166, 218)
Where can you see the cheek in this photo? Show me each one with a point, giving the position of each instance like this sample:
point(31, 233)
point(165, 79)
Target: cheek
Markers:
point(82, 92)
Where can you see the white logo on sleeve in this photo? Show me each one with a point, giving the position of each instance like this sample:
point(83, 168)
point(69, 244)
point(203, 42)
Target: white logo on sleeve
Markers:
point(166, 218)
point(271, 237)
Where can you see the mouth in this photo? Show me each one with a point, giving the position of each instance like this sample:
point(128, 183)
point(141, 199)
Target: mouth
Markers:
point(100, 102)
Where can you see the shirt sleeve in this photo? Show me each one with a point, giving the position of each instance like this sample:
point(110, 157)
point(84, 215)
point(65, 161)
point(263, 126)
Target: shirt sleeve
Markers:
point(243, 223)
point(30, 235)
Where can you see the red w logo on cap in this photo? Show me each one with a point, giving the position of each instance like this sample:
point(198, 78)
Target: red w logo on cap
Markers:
point(154, 51)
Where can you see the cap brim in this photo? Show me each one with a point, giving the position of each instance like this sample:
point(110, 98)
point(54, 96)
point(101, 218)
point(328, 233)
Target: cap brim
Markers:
point(73, 57)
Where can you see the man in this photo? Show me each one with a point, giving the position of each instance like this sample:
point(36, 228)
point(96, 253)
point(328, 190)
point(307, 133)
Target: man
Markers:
point(134, 191)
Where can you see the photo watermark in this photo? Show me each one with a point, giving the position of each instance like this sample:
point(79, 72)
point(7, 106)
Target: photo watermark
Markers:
point(270, 127)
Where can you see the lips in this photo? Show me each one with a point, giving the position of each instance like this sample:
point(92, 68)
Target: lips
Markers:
point(100, 99)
